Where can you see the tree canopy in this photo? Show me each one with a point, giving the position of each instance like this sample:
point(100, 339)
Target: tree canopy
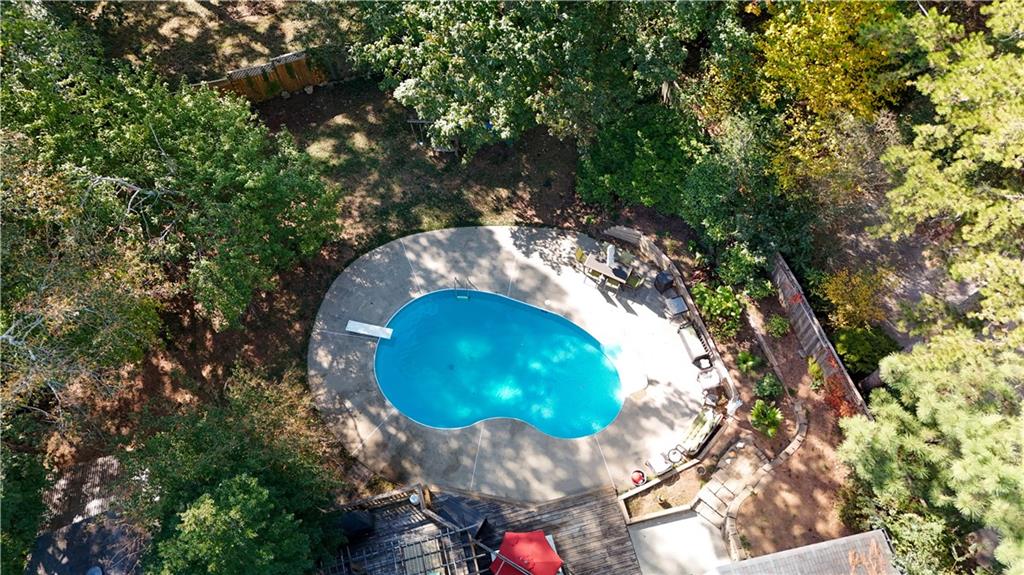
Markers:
point(964, 171)
point(235, 530)
point(947, 439)
point(194, 466)
point(487, 71)
point(213, 193)
point(831, 56)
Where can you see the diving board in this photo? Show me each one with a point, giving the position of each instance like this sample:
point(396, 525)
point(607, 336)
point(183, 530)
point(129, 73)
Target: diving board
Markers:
point(368, 329)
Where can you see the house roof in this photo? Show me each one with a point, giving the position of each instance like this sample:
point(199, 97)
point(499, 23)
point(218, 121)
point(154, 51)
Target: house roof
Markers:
point(862, 554)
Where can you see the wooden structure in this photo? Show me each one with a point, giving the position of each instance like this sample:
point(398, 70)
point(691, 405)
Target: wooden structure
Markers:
point(588, 528)
point(411, 536)
point(286, 73)
point(809, 332)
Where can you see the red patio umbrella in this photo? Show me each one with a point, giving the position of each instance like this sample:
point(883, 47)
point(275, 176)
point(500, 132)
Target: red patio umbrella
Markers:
point(530, 551)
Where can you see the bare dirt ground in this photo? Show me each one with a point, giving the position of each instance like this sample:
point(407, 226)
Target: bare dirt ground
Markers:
point(676, 491)
point(203, 40)
point(799, 506)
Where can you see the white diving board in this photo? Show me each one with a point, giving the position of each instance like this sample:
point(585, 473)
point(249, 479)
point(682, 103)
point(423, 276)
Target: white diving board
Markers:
point(368, 329)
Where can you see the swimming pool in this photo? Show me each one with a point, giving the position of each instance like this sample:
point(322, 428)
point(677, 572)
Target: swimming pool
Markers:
point(457, 357)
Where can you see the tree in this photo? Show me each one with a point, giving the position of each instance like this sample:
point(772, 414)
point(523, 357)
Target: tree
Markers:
point(216, 197)
point(855, 297)
point(947, 440)
point(235, 530)
point(23, 480)
point(962, 174)
point(265, 430)
point(828, 69)
point(484, 72)
point(80, 297)
point(661, 157)
point(831, 56)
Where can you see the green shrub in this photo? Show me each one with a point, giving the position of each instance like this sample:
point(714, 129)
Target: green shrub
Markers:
point(739, 266)
point(748, 362)
point(769, 388)
point(765, 418)
point(23, 480)
point(760, 288)
point(777, 326)
point(817, 375)
point(861, 348)
point(720, 308)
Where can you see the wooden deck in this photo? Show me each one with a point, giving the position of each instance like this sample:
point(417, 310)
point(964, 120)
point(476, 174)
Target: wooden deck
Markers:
point(588, 529)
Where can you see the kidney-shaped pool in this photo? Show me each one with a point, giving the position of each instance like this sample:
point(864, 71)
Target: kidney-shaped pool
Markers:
point(457, 357)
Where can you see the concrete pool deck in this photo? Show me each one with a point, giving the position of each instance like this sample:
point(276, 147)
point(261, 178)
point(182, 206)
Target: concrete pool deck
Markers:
point(500, 457)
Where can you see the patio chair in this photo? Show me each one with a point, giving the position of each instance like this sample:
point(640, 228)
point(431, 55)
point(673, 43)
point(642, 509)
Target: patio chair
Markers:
point(636, 280)
point(614, 284)
point(658, 463)
point(595, 275)
point(581, 255)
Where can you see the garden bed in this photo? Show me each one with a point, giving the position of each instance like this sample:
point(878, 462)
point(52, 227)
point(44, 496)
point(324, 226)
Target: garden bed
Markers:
point(799, 504)
point(678, 490)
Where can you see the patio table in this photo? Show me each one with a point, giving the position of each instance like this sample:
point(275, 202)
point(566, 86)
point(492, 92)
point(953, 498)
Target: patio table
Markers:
point(617, 272)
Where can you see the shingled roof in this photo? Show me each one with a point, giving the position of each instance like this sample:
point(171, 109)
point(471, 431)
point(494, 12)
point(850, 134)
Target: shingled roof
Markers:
point(862, 554)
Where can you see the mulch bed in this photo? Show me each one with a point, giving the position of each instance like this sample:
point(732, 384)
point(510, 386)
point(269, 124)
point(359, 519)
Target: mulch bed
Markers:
point(676, 491)
point(798, 504)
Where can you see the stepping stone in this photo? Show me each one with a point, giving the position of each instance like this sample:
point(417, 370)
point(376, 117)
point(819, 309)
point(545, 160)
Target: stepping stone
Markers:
point(718, 504)
point(709, 514)
point(713, 485)
point(735, 485)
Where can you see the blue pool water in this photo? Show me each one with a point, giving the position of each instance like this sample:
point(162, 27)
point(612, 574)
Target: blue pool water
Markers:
point(457, 357)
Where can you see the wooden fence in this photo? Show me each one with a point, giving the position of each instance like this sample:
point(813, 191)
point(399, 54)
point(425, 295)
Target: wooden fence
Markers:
point(810, 333)
point(286, 73)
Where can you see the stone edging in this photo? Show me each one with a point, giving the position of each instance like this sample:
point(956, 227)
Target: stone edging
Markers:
point(736, 550)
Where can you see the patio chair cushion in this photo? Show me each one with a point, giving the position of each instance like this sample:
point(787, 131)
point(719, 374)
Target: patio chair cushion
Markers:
point(659, 463)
